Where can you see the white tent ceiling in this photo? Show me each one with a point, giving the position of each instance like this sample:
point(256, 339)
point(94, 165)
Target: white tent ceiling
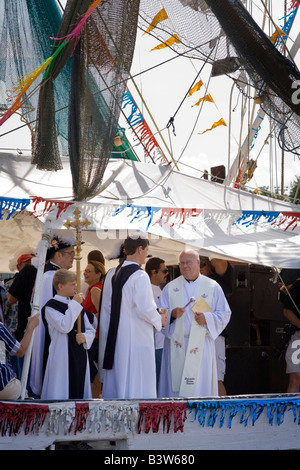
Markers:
point(134, 195)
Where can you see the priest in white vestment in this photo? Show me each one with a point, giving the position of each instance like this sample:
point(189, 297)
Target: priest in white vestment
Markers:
point(129, 366)
point(189, 360)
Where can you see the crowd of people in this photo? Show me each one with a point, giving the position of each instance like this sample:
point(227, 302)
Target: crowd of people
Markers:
point(134, 332)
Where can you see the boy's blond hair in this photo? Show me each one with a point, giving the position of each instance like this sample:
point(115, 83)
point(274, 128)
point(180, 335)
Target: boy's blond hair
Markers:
point(62, 276)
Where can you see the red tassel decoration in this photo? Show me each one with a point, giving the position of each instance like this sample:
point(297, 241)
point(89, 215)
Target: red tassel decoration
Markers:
point(152, 413)
point(14, 417)
point(81, 414)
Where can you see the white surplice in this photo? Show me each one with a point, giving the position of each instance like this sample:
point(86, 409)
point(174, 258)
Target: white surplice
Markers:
point(207, 381)
point(36, 367)
point(133, 373)
point(56, 380)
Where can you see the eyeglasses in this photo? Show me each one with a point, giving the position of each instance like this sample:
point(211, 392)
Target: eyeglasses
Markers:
point(165, 271)
point(186, 263)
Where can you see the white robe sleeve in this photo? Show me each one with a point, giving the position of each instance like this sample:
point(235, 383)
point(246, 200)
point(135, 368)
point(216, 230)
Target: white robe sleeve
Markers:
point(163, 302)
point(89, 333)
point(220, 315)
point(47, 289)
point(143, 297)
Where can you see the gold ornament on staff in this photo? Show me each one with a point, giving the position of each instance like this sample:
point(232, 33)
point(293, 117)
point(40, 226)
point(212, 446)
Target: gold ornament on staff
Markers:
point(77, 224)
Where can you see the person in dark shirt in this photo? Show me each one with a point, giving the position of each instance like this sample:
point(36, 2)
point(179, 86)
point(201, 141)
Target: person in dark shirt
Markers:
point(221, 271)
point(10, 385)
point(21, 291)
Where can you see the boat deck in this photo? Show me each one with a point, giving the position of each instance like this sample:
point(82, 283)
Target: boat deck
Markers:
point(221, 423)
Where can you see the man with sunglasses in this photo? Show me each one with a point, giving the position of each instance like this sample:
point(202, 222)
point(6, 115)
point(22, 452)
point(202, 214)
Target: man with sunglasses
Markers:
point(158, 274)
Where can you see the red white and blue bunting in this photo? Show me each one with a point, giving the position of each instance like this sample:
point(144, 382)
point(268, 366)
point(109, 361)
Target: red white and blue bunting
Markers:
point(149, 216)
point(139, 125)
point(162, 416)
point(245, 411)
point(156, 215)
point(10, 207)
point(286, 220)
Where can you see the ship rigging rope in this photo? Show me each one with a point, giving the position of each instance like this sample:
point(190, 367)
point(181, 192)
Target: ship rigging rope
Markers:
point(171, 120)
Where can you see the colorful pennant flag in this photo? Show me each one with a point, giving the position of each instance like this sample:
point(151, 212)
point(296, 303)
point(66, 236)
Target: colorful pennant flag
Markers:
point(49, 206)
point(278, 219)
point(221, 122)
point(167, 215)
point(276, 34)
point(204, 98)
point(195, 87)
point(12, 205)
point(167, 43)
point(139, 125)
point(161, 15)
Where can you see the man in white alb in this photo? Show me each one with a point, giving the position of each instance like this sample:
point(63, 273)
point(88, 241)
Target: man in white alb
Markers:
point(189, 362)
point(129, 358)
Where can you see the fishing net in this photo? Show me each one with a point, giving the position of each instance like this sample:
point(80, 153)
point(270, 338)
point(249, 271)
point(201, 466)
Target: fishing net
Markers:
point(73, 107)
point(100, 65)
point(26, 27)
point(224, 34)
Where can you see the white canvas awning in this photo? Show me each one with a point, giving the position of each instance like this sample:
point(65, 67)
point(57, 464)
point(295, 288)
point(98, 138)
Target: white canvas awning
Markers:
point(175, 209)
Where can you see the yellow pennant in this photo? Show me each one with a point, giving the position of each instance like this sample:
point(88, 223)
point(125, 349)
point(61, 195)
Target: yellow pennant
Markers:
point(167, 43)
point(161, 15)
point(276, 34)
point(221, 122)
point(195, 87)
point(205, 98)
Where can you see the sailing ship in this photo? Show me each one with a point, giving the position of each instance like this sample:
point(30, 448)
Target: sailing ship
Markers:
point(82, 157)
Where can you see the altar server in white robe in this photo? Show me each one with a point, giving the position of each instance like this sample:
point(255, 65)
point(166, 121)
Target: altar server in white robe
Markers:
point(60, 254)
point(189, 361)
point(67, 374)
point(129, 359)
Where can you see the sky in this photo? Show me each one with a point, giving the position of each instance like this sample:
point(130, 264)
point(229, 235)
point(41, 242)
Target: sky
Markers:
point(164, 87)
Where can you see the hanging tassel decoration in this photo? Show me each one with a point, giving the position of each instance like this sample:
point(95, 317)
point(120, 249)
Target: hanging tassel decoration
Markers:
point(15, 418)
point(81, 415)
point(77, 31)
point(151, 415)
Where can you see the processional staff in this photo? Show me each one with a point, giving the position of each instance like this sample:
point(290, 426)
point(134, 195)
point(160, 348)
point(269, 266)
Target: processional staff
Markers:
point(77, 224)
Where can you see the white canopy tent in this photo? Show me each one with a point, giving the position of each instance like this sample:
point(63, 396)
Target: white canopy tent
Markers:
point(176, 210)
